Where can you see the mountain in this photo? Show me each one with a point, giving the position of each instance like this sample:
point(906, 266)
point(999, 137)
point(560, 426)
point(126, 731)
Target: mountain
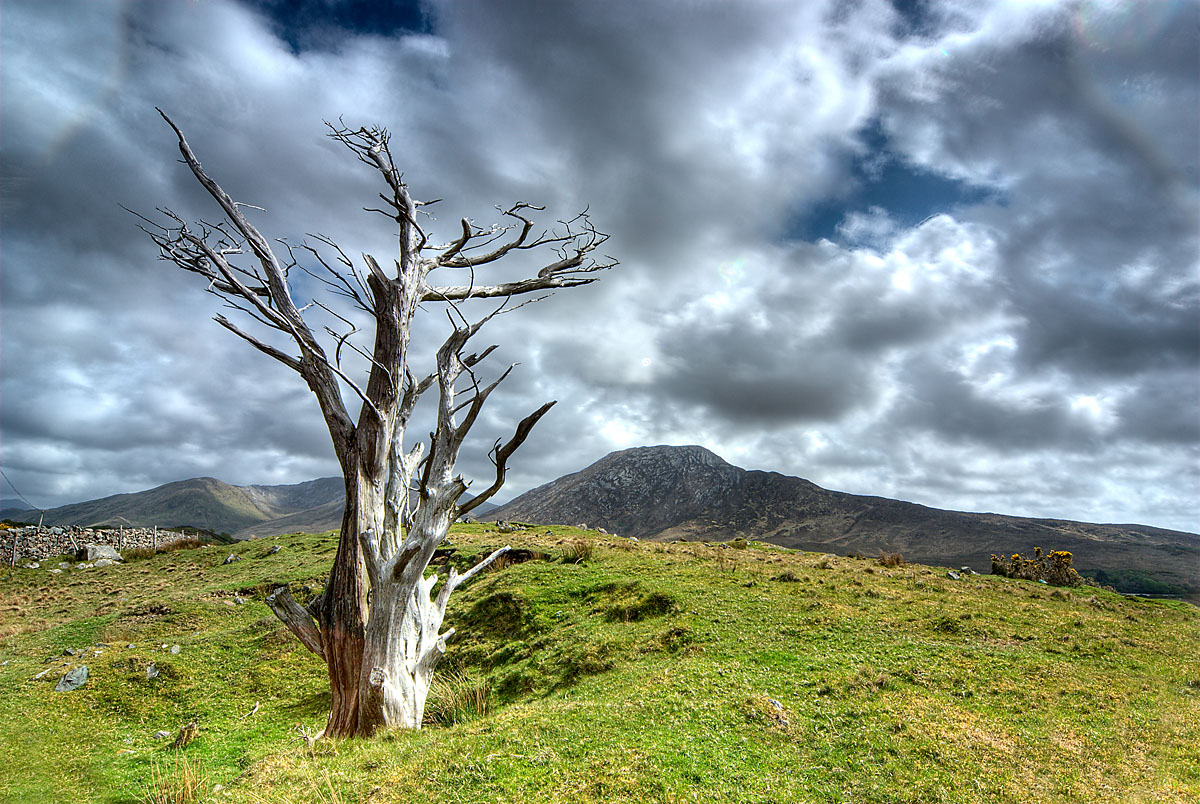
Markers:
point(202, 502)
point(690, 493)
point(314, 506)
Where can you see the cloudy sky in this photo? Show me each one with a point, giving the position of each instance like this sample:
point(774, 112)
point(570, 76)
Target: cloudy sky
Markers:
point(939, 251)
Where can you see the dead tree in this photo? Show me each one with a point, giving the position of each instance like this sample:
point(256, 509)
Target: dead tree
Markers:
point(381, 649)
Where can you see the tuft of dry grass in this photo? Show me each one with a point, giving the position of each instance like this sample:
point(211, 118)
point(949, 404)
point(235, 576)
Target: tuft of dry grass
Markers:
point(455, 697)
point(891, 559)
point(577, 551)
point(185, 783)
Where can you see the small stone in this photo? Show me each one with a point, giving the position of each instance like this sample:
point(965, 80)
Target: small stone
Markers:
point(69, 652)
point(56, 571)
point(64, 565)
point(274, 549)
point(967, 571)
point(131, 646)
point(56, 531)
point(240, 601)
point(151, 671)
point(30, 565)
point(160, 735)
point(952, 575)
point(73, 680)
point(175, 649)
point(232, 557)
point(103, 562)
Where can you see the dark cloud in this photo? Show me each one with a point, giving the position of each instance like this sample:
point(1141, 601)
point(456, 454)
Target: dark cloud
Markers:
point(1003, 316)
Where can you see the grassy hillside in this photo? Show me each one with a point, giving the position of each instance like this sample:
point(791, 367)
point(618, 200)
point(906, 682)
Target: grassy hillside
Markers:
point(613, 671)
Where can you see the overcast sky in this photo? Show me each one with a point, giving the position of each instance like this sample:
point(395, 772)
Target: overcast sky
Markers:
point(943, 251)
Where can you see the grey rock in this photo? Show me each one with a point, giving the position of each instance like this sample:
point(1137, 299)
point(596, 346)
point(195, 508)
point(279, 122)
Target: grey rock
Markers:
point(64, 565)
point(56, 531)
point(160, 735)
point(73, 680)
point(952, 575)
point(30, 565)
point(151, 671)
point(274, 549)
point(69, 652)
point(92, 552)
point(103, 562)
point(56, 571)
point(175, 650)
point(232, 557)
point(131, 646)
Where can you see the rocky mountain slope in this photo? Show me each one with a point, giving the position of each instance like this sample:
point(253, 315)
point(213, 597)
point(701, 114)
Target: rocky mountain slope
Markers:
point(690, 493)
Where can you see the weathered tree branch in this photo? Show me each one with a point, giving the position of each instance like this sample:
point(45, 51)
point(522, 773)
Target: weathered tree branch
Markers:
point(297, 619)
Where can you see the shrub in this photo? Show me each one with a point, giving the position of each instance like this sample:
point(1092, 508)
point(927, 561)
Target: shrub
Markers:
point(1053, 567)
point(739, 543)
point(891, 559)
point(138, 553)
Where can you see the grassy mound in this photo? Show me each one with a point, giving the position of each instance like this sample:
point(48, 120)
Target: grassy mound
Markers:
point(600, 669)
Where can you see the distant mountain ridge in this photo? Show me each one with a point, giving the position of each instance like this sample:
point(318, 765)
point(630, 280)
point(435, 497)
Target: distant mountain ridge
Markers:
point(689, 492)
point(314, 506)
point(205, 502)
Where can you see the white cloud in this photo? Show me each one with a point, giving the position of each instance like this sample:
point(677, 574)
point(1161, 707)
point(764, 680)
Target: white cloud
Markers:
point(1034, 353)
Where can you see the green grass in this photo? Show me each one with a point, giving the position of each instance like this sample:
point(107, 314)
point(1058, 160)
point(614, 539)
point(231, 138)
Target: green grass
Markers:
point(625, 672)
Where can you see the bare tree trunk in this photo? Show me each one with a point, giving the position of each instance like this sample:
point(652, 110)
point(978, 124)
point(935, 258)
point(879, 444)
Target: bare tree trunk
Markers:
point(400, 503)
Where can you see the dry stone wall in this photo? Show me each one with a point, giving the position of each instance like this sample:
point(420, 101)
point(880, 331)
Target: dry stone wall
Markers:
point(32, 543)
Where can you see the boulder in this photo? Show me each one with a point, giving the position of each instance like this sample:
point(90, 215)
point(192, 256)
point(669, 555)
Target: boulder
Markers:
point(73, 680)
point(232, 557)
point(94, 552)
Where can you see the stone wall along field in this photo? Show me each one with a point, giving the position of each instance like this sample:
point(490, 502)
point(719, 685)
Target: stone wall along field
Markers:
point(32, 543)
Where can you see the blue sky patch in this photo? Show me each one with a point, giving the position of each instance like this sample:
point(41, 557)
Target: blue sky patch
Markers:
point(881, 178)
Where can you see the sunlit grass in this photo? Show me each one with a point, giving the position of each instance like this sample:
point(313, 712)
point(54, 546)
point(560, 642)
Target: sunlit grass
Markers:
point(644, 672)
